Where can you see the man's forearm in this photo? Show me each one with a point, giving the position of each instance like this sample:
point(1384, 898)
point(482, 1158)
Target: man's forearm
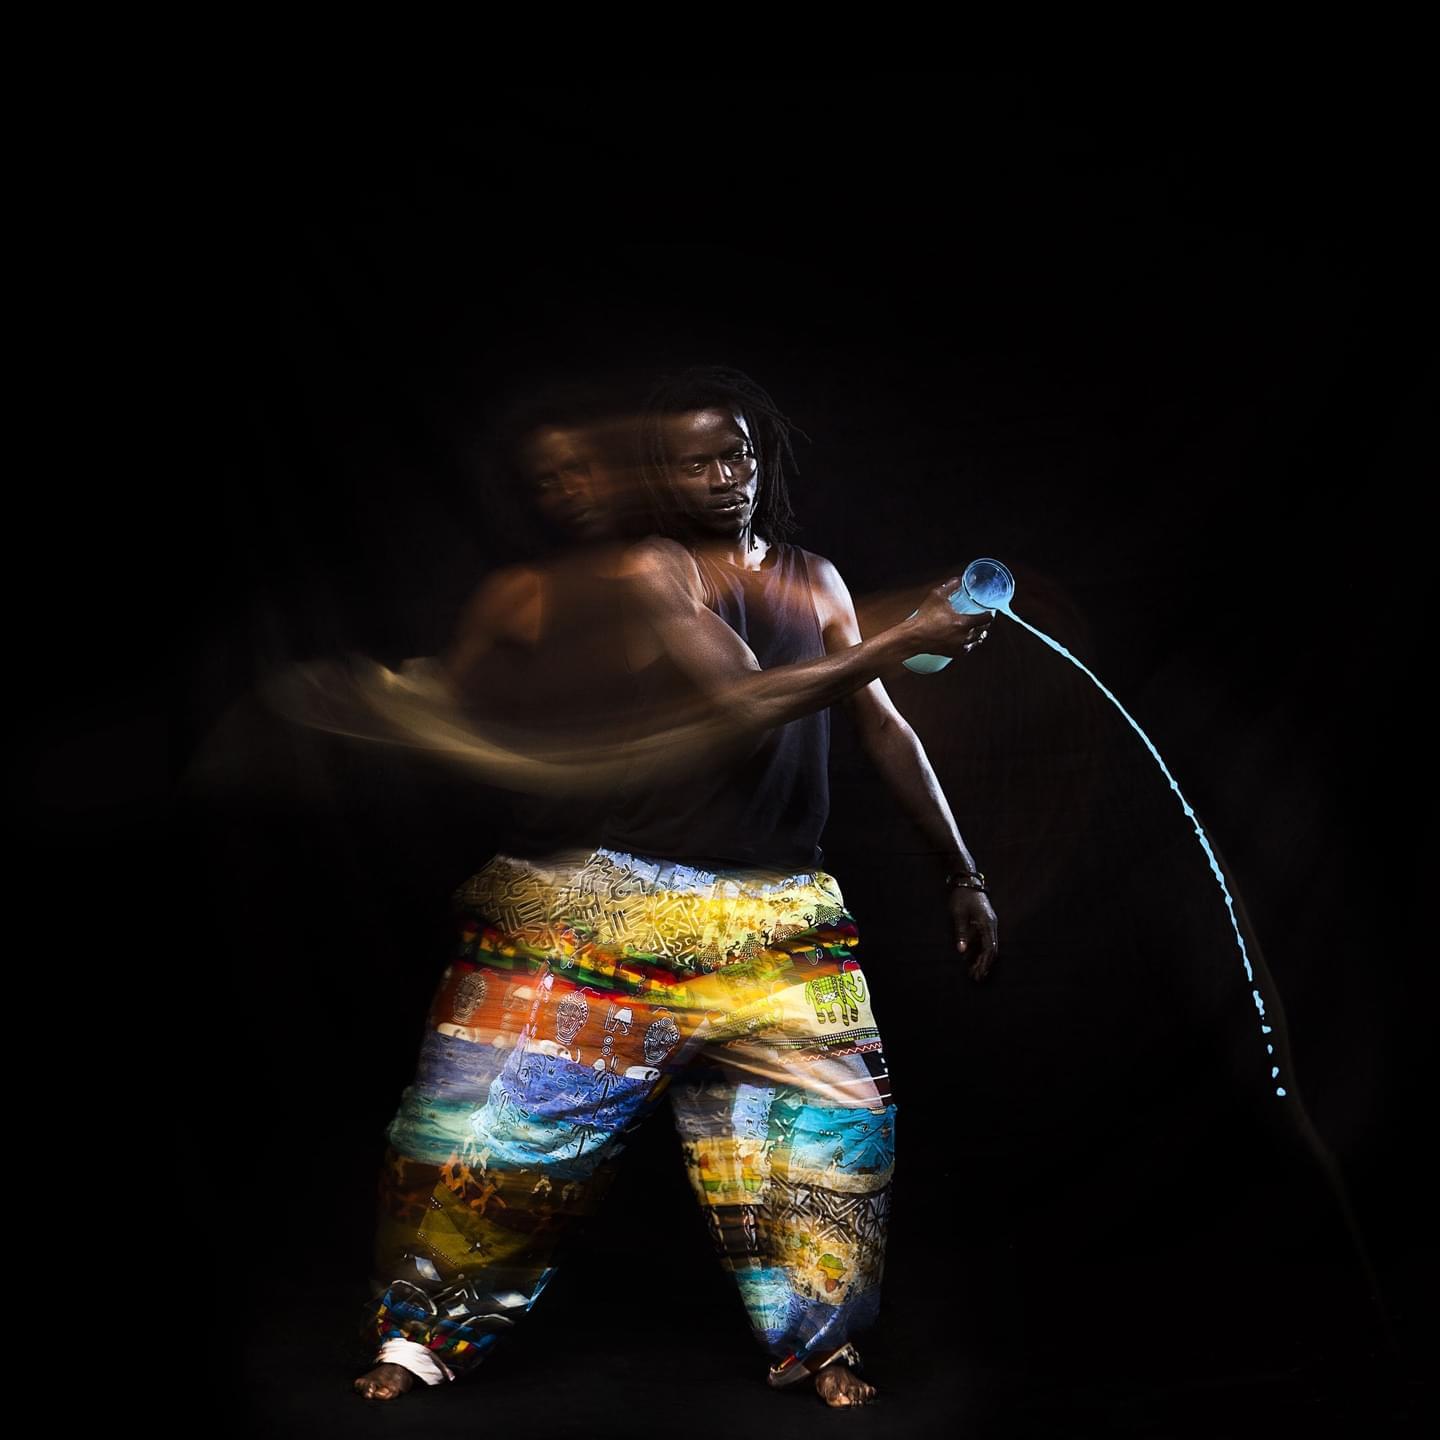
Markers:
point(900, 757)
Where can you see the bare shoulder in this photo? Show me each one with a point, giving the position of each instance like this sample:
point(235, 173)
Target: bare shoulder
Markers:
point(658, 562)
point(511, 582)
point(830, 591)
point(823, 572)
point(506, 606)
point(504, 591)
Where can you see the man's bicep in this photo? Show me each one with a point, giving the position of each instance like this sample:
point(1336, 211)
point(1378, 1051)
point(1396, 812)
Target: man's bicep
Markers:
point(689, 634)
point(709, 651)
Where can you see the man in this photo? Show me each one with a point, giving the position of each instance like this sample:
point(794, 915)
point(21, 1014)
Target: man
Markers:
point(698, 951)
point(722, 576)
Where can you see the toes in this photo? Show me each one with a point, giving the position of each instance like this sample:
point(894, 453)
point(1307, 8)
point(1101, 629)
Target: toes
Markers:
point(844, 1387)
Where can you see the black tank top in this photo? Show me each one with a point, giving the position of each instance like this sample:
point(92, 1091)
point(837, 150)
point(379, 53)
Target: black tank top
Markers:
point(768, 808)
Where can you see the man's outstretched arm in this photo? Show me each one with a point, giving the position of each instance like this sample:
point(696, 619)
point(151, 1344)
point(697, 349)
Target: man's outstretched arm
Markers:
point(664, 580)
point(898, 754)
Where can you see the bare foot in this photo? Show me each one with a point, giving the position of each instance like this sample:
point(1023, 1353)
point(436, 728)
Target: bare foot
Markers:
point(838, 1384)
point(385, 1382)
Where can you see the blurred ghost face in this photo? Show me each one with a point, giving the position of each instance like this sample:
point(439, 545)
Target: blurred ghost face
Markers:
point(569, 481)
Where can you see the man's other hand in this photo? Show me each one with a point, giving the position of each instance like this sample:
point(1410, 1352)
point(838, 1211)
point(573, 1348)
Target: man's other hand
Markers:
point(977, 932)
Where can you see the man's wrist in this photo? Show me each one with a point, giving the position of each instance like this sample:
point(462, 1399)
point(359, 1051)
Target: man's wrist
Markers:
point(962, 873)
point(899, 642)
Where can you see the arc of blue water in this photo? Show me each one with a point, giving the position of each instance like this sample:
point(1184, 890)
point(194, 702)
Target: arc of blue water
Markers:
point(1190, 815)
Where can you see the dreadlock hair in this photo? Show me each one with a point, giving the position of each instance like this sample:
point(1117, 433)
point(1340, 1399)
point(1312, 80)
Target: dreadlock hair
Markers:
point(718, 387)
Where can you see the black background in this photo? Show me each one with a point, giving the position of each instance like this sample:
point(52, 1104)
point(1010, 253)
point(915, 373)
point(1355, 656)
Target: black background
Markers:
point(1157, 346)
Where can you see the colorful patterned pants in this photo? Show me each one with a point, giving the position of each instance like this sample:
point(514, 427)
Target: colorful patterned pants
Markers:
point(586, 989)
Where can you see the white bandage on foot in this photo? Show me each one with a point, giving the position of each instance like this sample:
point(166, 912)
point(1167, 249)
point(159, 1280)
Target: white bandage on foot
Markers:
point(422, 1363)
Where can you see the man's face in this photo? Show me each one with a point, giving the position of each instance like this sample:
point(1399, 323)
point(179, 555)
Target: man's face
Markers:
point(568, 480)
point(712, 467)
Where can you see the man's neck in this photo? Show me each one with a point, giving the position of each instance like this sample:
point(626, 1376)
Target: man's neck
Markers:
point(733, 551)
